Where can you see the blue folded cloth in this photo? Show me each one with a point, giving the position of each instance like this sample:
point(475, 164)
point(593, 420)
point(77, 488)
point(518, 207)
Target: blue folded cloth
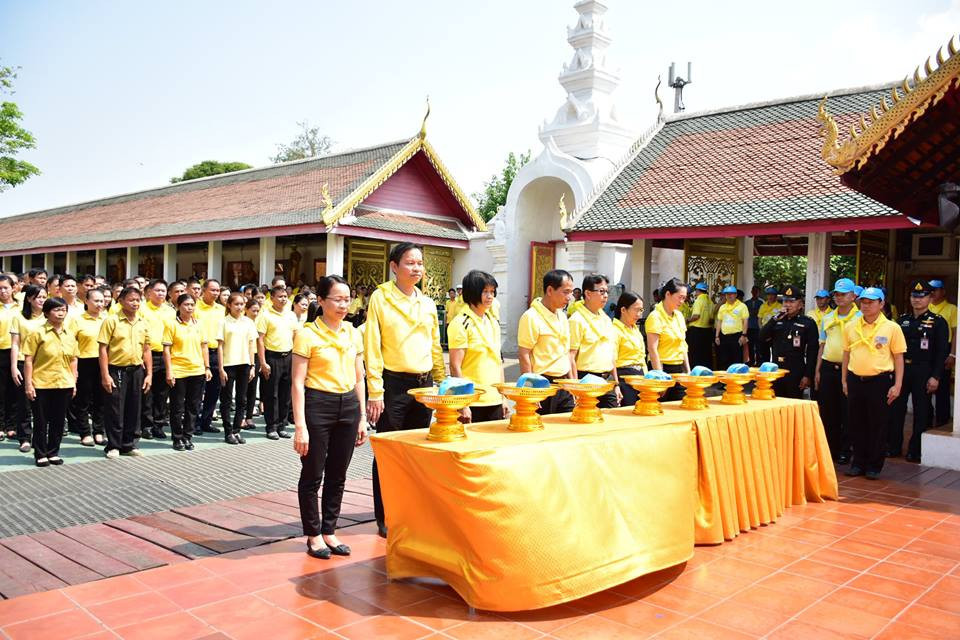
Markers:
point(592, 379)
point(658, 374)
point(533, 380)
point(701, 370)
point(769, 367)
point(738, 368)
point(456, 386)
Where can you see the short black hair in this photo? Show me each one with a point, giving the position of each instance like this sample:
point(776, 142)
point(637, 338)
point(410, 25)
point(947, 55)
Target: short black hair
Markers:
point(208, 281)
point(53, 303)
point(251, 289)
point(592, 280)
point(87, 278)
point(554, 279)
point(625, 301)
point(673, 285)
point(397, 253)
point(277, 290)
point(29, 293)
point(86, 295)
point(5, 278)
point(155, 282)
point(128, 291)
point(66, 277)
point(474, 283)
point(326, 284)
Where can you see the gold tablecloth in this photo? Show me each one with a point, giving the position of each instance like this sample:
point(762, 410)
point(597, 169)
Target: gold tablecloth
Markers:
point(516, 521)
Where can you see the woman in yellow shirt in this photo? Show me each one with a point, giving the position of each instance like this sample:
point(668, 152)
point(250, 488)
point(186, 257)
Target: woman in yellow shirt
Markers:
point(186, 358)
point(327, 395)
point(252, 408)
point(50, 380)
point(666, 334)
point(629, 343)
point(86, 410)
point(238, 348)
point(473, 336)
point(29, 319)
point(301, 302)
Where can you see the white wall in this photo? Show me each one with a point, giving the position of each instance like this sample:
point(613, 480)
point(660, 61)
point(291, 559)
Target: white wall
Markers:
point(476, 257)
point(613, 261)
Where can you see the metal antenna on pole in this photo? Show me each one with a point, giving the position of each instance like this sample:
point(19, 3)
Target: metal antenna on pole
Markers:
point(678, 84)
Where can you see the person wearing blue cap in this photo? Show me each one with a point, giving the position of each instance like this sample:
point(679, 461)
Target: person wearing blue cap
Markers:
point(730, 332)
point(793, 337)
point(822, 300)
point(948, 311)
point(700, 327)
point(872, 374)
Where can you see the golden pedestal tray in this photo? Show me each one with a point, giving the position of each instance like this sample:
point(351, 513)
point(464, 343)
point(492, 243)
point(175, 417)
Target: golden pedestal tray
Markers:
point(525, 416)
point(447, 426)
point(648, 404)
point(695, 387)
point(587, 395)
point(765, 380)
point(733, 384)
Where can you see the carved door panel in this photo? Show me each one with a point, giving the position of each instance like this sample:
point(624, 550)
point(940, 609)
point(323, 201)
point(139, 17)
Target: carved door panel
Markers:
point(366, 262)
point(872, 253)
point(542, 260)
point(711, 260)
point(438, 272)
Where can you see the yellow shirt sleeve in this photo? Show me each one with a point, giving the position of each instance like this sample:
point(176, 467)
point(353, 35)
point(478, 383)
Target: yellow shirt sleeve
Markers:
point(167, 334)
point(371, 348)
point(898, 344)
point(527, 333)
point(653, 324)
point(457, 334)
point(577, 329)
point(30, 344)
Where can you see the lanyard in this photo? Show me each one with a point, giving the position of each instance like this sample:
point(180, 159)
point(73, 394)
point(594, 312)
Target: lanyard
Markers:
point(326, 340)
point(388, 293)
point(631, 335)
point(840, 321)
point(551, 318)
point(670, 322)
point(868, 340)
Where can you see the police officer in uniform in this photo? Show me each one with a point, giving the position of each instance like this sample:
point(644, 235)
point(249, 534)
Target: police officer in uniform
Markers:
point(928, 342)
point(794, 339)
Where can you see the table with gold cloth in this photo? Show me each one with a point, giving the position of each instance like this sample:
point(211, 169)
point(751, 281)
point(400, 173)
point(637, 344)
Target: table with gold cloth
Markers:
point(517, 521)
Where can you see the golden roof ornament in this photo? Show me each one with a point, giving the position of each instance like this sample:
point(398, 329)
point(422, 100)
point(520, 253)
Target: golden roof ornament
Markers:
point(423, 127)
point(562, 210)
point(325, 197)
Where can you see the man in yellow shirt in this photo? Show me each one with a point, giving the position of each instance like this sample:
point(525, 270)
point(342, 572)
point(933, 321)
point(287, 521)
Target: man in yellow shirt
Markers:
point(593, 346)
point(276, 326)
point(940, 306)
point(210, 314)
point(822, 300)
point(873, 349)
point(157, 313)
point(827, 379)
point(700, 328)
point(543, 337)
point(730, 332)
point(8, 390)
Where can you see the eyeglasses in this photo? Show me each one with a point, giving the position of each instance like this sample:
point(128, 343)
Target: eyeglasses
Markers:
point(339, 300)
point(603, 292)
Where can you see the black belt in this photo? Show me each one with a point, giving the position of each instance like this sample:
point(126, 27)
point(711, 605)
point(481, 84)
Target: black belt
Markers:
point(886, 374)
point(279, 354)
point(419, 378)
point(330, 394)
point(925, 363)
point(211, 348)
point(126, 367)
point(831, 365)
point(605, 375)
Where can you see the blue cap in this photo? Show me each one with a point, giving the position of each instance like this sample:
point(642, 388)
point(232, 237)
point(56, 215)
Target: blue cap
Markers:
point(702, 286)
point(936, 284)
point(729, 289)
point(858, 290)
point(844, 285)
point(872, 293)
point(771, 290)
point(821, 293)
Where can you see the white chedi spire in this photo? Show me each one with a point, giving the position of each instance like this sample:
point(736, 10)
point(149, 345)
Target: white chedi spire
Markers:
point(586, 125)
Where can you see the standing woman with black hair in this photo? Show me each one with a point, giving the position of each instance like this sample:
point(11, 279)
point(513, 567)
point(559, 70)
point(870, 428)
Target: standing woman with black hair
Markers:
point(86, 410)
point(667, 333)
point(301, 302)
point(50, 380)
point(327, 397)
point(629, 343)
point(187, 364)
point(238, 344)
point(29, 319)
point(251, 311)
point(474, 339)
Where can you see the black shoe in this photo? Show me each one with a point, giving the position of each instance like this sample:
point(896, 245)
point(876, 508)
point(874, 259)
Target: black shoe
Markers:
point(382, 530)
point(843, 458)
point(146, 435)
point(340, 550)
point(910, 458)
point(159, 434)
point(42, 462)
point(248, 424)
point(283, 433)
point(323, 552)
point(272, 435)
point(188, 444)
point(55, 461)
point(178, 444)
point(872, 475)
point(212, 429)
point(853, 472)
point(230, 439)
point(239, 438)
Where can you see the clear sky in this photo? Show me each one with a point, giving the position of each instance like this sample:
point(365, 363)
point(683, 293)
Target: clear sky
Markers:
point(123, 95)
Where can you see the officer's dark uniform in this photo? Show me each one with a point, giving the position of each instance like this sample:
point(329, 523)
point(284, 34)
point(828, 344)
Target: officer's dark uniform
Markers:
point(795, 341)
point(928, 342)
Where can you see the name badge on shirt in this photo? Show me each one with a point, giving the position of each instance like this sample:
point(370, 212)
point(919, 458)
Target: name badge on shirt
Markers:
point(881, 341)
point(924, 344)
point(796, 341)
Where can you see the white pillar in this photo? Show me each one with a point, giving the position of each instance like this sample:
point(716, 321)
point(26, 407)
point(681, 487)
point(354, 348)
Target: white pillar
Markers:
point(72, 263)
point(500, 271)
point(818, 265)
point(745, 266)
point(215, 259)
point(335, 254)
point(48, 262)
point(6, 264)
point(100, 262)
point(641, 257)
point(133, 261)
point(169, 262)
point(579, 258)
point(268, 259)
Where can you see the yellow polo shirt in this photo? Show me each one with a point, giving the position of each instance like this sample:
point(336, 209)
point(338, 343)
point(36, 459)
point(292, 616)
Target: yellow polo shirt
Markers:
point(817, 315)
point(186, 342)
point(672, 346)
point(157, 317)
point(948, 312)
point(480, 340)
point(277, 328)
point(629, 342)
point(7, 313)
point(573, 306)
point(124, 340)
point(591, 336)
point(238, 338)
point(401, 334)
point(86, 331)
point(331, 356)
point(450, 310)
point(702, 307)
point(733, 317)
point(210, 317)
point(767, 311)
point(872, 346)
point(831, 333)
point(52, 354)
point(547, 335)
point(23, 328)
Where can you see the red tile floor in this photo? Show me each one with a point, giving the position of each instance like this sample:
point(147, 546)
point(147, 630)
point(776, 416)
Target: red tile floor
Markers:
point(883, 562)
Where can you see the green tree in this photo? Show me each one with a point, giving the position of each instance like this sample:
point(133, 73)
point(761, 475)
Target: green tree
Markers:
point(494, 194)
point(209, 168)
point(843, 267)
point(779, 271)
point(13, 137)
point(309, 143)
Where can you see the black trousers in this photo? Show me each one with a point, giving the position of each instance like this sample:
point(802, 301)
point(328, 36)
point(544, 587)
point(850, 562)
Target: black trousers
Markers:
point(560, 402)
point(275, 390)
point(23, 409)
point(833, 408)
point(252, 391)
point(49, 414)
point(789, 385)
point(700, 341)
point(238, 376)
point(86, 409)
point(211, 393)
point(676, 392)
point(729, 350)
point(915, 378)
point(753, 337)
point(121, 409)
point(185, 400)
point(630, 395)
point(488, 413)
point(941, 399)
point(607, 400)
point(401, 412)
point(867, 399)
point(155, 410)
point(8, 394)
point(332, 420)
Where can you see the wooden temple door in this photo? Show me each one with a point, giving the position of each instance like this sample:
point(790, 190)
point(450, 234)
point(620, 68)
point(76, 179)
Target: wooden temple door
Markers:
point(366, 262)
point(438, 271)
point(873, 249)
point(542, 260)
point(712, 260)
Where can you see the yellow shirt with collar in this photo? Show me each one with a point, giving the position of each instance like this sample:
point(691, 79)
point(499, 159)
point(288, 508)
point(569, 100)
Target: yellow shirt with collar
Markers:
point(7, 313)
point(831, 333)
point(817, 315)
point(402, 334)
point(733, 318)
point(547, 335)
point(630, 346)
point(480, 340)
point(331, 356)
point(872, 346)
point(277, 328)
point(573, 306)
point(23, 328)
point(238, 338)
point(124, 340)
point(767, 311)
point(672, 345)
point(591, 336)
point(703, 308)
point(52, 352)
point(157, 317)
point(210, 317)
point(186, 342)
point(948, 312)
point(86, 331)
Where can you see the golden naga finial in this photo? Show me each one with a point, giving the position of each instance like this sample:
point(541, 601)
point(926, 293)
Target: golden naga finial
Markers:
point(325, 197)
point(828, 131)
point(423, 127)
point(562, 210)
point(656, 95)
